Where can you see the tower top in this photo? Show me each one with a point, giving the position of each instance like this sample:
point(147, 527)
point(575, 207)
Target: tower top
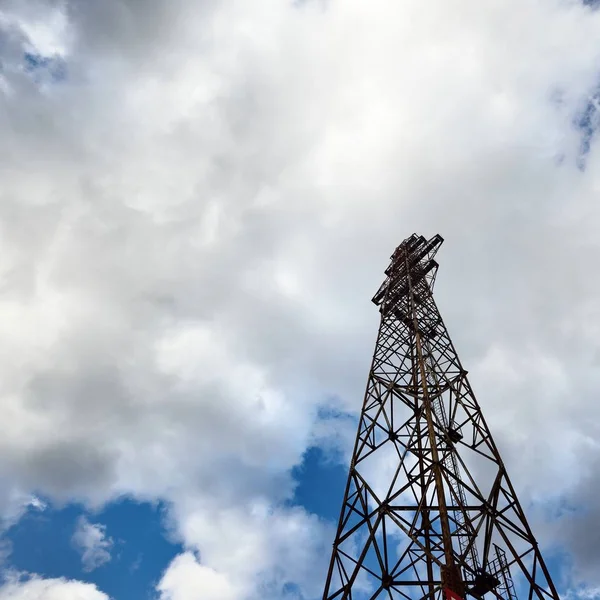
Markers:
point(414, 257)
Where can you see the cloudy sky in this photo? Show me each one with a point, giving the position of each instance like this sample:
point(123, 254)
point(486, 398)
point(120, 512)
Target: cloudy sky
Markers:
point(198, 199)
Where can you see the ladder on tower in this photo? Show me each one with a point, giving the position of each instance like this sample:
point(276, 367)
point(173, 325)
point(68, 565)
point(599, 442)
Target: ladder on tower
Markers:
point(499, 577)
point(499, 565)
point(464, 529)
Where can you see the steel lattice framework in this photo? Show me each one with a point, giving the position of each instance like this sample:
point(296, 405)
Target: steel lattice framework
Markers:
point(428, 510)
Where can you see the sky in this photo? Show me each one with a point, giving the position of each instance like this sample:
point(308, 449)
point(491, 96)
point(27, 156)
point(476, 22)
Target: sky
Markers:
point(198, 201)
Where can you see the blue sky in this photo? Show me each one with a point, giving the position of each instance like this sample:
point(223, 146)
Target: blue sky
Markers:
point(40, 67)
point(42, 543)
point(198, 203)
point(142, 542)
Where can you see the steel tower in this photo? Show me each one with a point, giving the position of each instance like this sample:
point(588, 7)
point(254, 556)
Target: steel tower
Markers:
point(428, 510)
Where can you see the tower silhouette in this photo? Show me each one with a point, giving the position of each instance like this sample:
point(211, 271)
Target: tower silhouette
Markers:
point(428, 510)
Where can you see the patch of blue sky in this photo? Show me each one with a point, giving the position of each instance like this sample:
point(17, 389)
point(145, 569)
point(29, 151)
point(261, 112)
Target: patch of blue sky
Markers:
point(555, 508)
point(52, 68)
point(41, 543)
point(320, 484)
point(587, 122)
point(560, 564)
point(291, 591)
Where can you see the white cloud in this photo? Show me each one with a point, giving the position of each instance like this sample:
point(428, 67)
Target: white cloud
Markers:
point(253, 542)
point(37, 503)
point(583, 593)
point(90, 539)
point(36, 588)
point(186, 579)
point(193, 223)
point(248, 551)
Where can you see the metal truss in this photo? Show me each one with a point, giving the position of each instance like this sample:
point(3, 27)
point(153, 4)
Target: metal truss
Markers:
point(428, 510)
